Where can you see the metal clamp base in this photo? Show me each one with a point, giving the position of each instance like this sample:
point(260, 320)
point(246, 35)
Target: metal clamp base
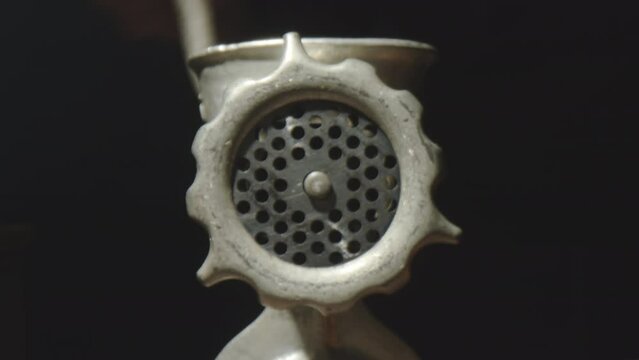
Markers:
point(303, 333)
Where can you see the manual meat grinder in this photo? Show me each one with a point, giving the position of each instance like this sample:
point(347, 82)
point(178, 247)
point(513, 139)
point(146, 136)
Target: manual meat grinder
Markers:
point(313, 181)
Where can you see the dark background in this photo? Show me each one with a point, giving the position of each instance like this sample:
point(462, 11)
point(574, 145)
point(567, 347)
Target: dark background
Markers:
point(532, 103)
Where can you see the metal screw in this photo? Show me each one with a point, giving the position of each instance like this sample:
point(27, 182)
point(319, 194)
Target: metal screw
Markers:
point(317, 185)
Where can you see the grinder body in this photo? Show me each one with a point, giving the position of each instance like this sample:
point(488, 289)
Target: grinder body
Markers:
point(314, 180)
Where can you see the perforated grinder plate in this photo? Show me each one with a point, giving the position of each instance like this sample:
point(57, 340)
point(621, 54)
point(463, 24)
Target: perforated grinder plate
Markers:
point(301, 221)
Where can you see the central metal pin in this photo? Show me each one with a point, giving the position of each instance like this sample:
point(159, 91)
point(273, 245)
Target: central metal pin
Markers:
point(317, 185)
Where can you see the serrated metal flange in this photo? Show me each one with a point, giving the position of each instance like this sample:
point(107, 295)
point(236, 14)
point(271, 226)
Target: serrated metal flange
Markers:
point(235, 254)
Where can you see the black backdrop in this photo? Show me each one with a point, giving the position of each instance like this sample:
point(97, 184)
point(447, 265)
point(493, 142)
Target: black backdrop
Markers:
point(532, 103)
